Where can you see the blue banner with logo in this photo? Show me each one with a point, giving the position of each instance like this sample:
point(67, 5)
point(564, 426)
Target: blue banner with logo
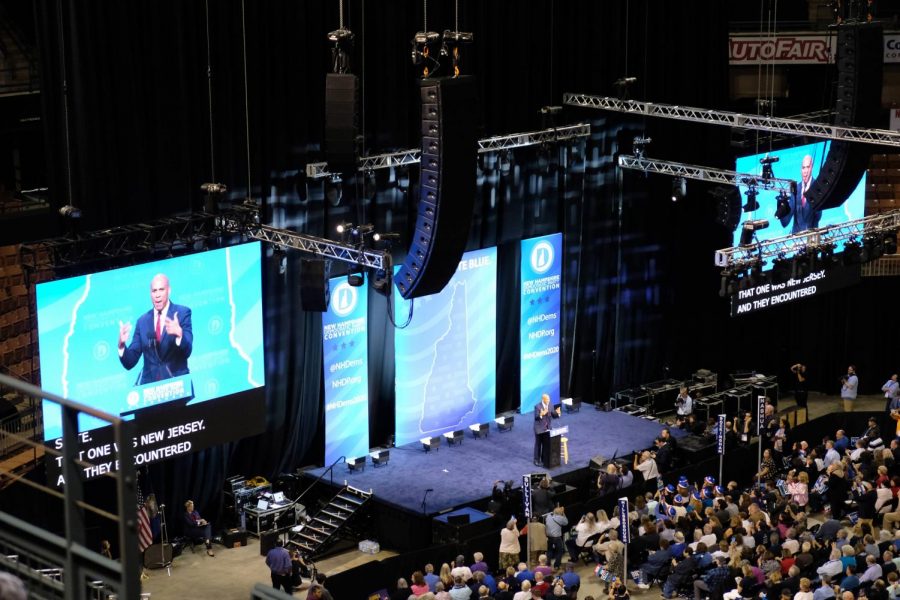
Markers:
point(720, 435)
point(541, 280)
point(346, 365)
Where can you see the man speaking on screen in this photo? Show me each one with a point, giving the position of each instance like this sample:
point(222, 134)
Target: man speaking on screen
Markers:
point(163, 336)
point(543, 414)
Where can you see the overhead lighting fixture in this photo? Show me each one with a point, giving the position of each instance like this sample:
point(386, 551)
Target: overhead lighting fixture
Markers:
point(767, 172)
point(385, 237)
point(356, 278)
point(679, 188)
point(749, 229)
point(890, 242)
point(783, 205)
point(751, 193)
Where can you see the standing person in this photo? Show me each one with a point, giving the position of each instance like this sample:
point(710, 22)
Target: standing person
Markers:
point(849, 387)
point(509, 545)
point(684, 404)
point(279, 562)
point(543, 416)
point(554, 524)
point(798, 206)
point(891, 391)
point(163, 336)
point(801, 389)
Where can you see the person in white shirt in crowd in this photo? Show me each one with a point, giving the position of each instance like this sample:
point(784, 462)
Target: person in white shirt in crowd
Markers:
point(684, 404)
point(646, 464)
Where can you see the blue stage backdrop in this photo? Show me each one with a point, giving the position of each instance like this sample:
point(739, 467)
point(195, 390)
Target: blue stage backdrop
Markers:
point(541, 277)
point(79, 323)
point(445, 375)
point(346, 364)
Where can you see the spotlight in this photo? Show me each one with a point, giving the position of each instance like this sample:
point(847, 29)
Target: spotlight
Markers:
point(70, 212)
point(639, 146)
point(356, 278)
point(679, 188)
point(749, 230)
point(385, 237)
point(454, 437)
point(783, 206)
point(431, 443)
point(214, 188)
point(766, 163)
point(873, 248)
point(751, 204)
point(890, 242)
point(852, 253)
point(356, 464)
point(344, 228)
point(800, 266)
point(479, 430)
point(380, 458)
point(505, 423)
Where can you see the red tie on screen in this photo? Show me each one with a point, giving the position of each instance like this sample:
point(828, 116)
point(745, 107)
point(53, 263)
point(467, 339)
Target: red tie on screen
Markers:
point(158, 326)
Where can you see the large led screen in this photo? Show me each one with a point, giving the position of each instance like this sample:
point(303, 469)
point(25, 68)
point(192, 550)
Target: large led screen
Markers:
point(176, 345)
point(445, 376)
point(791, 165)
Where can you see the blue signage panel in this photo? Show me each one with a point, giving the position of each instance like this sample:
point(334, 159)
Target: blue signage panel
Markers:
point(346, 365)
point(720, 435)
point(446, 358)
point(624, 529)
point(541, 279)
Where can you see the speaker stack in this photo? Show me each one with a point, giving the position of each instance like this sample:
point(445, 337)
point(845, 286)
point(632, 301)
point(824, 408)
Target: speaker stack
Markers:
point(313, 285)
point(446, 186)
point(341, 121)
point(860, 58)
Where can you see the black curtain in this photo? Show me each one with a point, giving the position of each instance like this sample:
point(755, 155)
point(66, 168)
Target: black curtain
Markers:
point(640, 288)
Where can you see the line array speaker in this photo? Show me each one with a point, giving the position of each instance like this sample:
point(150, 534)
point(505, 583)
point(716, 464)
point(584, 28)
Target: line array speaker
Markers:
point(341, 121)
point(314, 290)
point(446, 186)
point(860, 59)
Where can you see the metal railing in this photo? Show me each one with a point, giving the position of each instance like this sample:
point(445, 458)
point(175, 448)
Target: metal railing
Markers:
point(63, 567)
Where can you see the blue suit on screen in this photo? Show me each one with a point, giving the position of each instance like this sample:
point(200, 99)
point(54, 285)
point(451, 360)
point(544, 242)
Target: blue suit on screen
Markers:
point(165, 359)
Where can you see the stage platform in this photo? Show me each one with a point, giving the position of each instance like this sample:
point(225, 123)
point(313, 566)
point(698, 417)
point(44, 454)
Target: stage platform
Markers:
point(465, 473)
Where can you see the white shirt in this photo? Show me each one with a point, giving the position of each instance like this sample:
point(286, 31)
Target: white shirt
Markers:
point(686, 407)
point(649, 469)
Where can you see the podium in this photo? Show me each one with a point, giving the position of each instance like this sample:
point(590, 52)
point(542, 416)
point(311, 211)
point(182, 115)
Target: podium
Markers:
point(553, 457)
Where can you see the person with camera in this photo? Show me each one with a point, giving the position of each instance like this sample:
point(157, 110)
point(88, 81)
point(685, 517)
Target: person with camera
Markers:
point(554, 523)
point(891, 391)
point(801, 390)
point(849, 388)
point(645, 463)
point(684, 404)
point(608, 479)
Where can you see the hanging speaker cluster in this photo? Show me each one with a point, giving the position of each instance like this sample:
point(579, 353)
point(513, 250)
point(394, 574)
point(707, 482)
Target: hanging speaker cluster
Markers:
point(860, 58)
point(446, 186)
point(341, 122)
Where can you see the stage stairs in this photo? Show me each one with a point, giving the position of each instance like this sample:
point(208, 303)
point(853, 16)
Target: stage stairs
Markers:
point(333, 521)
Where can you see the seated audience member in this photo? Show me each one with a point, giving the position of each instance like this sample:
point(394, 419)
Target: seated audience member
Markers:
point(655, 564)
point(430, 578)
point(460, 591)
point(419, 585)
point(196, 527)
point(525, 592)
point(402, 592)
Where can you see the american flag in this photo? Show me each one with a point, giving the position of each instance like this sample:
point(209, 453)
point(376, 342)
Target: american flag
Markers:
point(145, 534)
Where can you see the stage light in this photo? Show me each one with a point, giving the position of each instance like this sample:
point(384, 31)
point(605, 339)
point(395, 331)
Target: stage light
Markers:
point(572, 405)
point(852, 253)
point(454, 437)
point(679, 188)
point(783, 205)
point(479, 430)
point(385, 237)
point(751, 204)
point(890, 242)
point(356, 278)
point(356, 464)
point(781, 269)
point(344, 228)
point(800, 266)
point(767, 172)
point(639, 146)
point(431, 443)
point(749, 229)
point(380, 458)
point(505, 423)
point(70, 212)
point(873, 248)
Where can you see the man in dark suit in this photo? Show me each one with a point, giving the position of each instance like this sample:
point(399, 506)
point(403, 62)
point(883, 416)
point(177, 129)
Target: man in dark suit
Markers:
point(798, 207)
point(163, 336)
point(543, 415)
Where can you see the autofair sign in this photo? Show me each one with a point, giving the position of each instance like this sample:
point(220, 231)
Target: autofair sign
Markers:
point(796, 49)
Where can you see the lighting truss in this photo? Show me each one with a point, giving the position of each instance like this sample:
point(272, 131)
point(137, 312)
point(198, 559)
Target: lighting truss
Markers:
point(363, 257)
point(743, 257)
point(182, 232)
point(491, 144)
point(882, 137)
point(703, 173)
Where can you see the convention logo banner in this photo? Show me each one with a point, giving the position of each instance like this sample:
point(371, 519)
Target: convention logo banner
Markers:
point(541, 279)
point(446, 358)
point(346, 366)
point(796, 49)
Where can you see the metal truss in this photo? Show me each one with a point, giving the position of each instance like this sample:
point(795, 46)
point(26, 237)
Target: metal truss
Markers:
point(743, 257)
point(491, 144)
point(881, 137)
point(363, 257)
point(704, 173)
point(164, 234)
point(182, 233)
